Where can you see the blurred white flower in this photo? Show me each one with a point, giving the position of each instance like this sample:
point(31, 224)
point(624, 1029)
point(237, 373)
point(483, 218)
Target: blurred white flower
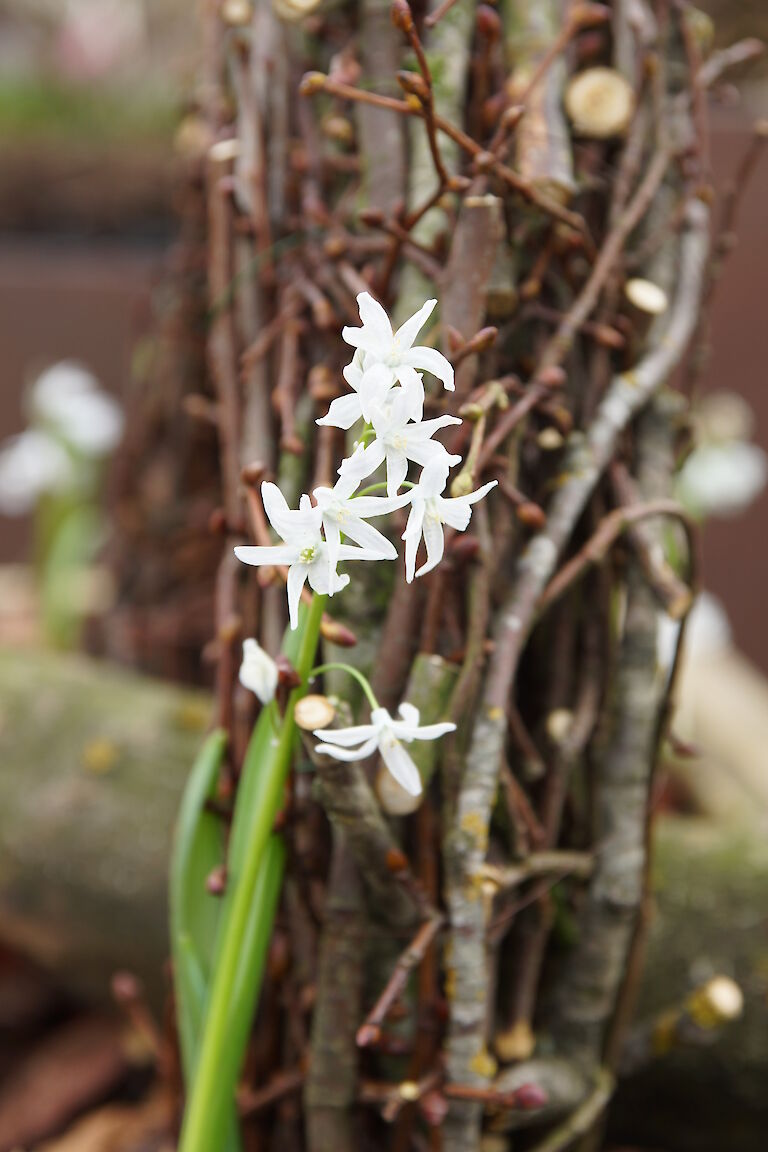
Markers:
point(97, 36)
point(31, 464)
point(258, 671)
point(68, 397)
point(721, 479)
point(64, 379)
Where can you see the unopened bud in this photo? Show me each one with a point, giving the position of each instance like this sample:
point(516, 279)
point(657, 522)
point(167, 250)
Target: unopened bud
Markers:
point(337, 633)
point(529, 1097)
point(484, 161)
point(312, 83)
point(415, 85)
point(434, 1108)
point(402, 17)
point(216, 881)
point(488, 23)
point(338, 128)
point(552, 377)
point(531, 515)
point(588, 15)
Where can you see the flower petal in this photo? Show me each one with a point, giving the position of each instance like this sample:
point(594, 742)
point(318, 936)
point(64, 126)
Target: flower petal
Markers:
point(343, 412)
point(375, 336)
point(434, 731)
point(370, 506)
point(348, 754)
point(347, 737)
point(407, 332)
point(430, 360)
point(413, 385)
point(409, 713)
point(412, 537)
point(297, 574)
point(434, 476)
point(258, 554)
point(400, 764)
point(397, 470)
point(369, 538)
point(434, 539)
point(286, 521)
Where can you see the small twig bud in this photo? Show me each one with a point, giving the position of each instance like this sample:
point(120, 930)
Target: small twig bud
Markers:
point(414, 85)
point(553, 377)
point(253, 474)
point(312, 83)
point(216, 881)
point(531, 515)
point(488, 23)
point(337, 633)
point(589, 15)
point(402, 17)
point(287, 676)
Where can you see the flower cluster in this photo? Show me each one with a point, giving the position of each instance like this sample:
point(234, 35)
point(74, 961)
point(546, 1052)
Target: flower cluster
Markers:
point(73, 424)
point(385, 376)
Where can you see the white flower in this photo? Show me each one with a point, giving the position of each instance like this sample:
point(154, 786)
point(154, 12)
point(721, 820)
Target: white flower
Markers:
point(395, 350)
point(397, 441)
point(303, 549)
point(31, 464)
point(369, 388)
point(384, 734)
point(430, 510)
point(343, 513)
point(68, 397)
point(722, 479)
point(258, 671)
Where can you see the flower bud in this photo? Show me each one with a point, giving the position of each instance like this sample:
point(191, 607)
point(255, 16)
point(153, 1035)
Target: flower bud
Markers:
point(312, 83)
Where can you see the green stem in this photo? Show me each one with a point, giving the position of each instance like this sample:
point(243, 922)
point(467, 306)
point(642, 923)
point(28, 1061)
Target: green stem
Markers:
point(255, 868)
point(354, 672)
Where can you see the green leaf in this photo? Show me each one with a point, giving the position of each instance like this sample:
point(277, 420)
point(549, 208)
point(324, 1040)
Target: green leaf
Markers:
point(198, 848)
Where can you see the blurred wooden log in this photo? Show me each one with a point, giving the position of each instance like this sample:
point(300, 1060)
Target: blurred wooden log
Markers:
point(92, 763)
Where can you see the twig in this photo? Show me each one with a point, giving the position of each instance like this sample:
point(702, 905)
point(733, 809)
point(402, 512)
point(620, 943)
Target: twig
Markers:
point(598, 546)
point(370, 1029)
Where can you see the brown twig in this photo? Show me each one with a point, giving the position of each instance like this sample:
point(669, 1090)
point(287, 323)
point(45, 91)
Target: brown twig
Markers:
point(410, 958)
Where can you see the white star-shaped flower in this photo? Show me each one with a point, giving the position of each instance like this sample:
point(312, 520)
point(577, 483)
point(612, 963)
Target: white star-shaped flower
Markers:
point(385, 735)
point(430, 510)
point(344, 514)
point(258, 671)
point(303, 549)
point(368, 388)
point(398, 441)
point(395, 350)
